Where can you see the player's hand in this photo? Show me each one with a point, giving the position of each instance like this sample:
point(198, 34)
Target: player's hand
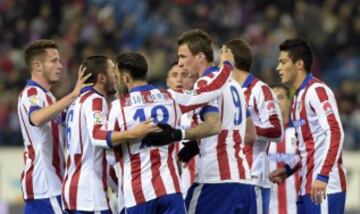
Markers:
point(81, 81)
point(190, 150)
point(166, 136)
point(318, 191)
point(226, 55)
point(142, 129)
point(278, 175)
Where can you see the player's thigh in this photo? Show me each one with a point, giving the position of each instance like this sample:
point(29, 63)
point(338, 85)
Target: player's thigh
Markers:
point(171, 204)
point(336, 203)
point(333, 204)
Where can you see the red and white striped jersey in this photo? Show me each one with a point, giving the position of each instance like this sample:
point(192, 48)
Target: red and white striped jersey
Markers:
point(44, 145)
point(149, 172)
point(85, 182)
point(221, 156)
point(283, 196)
point(188, 173)
point(266, 115)
point(320, 136)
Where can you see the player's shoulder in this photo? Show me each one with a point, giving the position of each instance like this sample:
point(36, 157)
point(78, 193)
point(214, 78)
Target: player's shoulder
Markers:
point(318, 88)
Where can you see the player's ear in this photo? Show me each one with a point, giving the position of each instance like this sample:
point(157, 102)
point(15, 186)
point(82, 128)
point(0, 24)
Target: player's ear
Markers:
point(101, 77)
point(300, 63)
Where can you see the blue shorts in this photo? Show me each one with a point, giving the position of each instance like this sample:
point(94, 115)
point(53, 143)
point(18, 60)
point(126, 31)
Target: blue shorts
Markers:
point(221, 198)
point(167, 204)
point(90, 212)
point(334, 204)
point(262, 199)
point(44, 206)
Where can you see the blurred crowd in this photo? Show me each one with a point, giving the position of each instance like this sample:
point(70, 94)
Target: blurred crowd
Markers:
point(86, 27)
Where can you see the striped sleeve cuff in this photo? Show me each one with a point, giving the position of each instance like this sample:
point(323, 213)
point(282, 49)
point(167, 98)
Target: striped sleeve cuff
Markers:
point(108, 139)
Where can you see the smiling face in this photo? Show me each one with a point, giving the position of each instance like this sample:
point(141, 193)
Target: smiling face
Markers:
point(187, 61)
point(50, 66)
point(286, 69)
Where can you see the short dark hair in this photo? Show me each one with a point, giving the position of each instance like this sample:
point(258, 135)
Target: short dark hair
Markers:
point(133, 63)
point(37, 48)
point(298, 49)
point(280, 85)
point(174, 63)
point(242, 53)
point(198, 41)
point(95, 65)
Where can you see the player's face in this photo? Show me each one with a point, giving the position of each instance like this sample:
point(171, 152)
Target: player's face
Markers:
point(51, 66)
point(110, 85)
point(179, 79)
point(284, 101)
point(186, 60)
point(286, 68)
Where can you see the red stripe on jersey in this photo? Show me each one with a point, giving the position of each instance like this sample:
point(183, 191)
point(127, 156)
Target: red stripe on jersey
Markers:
point(219, 81)
point(29, 173)
point(172, 167)
point(248, 91)
point(335, 135)
point(282, 196)
point(74, 181)
point(31, 154)
point(147, 96)
point(309, 144)
point(136, 178)
point(237, 141)
point(56, 143)
point(112, 175)
point(341, 173)
point(156, 179)
point(68, 162)
point(31, 92)
point(222, 157)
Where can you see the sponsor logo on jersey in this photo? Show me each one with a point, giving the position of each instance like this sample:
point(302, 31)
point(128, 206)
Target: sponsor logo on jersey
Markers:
point(270, 107)
point(34, 100)
point(326, 106)
point(98, 117)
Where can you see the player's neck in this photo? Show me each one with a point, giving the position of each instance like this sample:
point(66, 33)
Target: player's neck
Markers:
point(285, 117)
point(137, 83)
point(203, 67)
point(41, 81)
point(101, 89)
point(240, 75)
point(299, 79)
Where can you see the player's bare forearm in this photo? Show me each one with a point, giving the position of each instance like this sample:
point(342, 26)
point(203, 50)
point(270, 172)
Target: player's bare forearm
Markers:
point(250, 134)
point(211, 126)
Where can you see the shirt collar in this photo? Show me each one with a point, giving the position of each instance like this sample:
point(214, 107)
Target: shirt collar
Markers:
point(209, 70)
point(142, 88)
point(304, 83)
point(248, 81)
point(33, 83)
point(90, 88)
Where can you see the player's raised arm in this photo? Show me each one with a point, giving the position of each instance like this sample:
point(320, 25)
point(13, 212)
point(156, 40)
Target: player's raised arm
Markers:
point(42, 115)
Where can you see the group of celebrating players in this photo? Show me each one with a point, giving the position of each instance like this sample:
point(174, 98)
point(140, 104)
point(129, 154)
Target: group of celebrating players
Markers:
point(219, 140)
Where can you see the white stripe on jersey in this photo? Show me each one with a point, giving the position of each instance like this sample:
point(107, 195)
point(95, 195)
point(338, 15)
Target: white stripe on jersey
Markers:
point(44, 145)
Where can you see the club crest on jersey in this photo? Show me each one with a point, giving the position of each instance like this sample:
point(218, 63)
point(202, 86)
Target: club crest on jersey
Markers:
point(326, 106)
point(98, 117)
point(34, 100)
point(270, 107)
